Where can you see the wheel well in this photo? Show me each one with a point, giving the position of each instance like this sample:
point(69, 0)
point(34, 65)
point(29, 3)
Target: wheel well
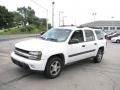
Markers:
point(60, 56)
point(101, 48)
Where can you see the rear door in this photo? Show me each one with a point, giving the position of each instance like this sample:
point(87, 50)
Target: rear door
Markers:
point(90, 43)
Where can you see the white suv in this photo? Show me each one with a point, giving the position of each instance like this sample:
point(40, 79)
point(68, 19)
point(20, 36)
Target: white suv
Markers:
point(58, 47)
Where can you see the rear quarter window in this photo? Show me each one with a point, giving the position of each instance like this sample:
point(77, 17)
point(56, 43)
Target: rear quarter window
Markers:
point(89, 35)
point(99, 34)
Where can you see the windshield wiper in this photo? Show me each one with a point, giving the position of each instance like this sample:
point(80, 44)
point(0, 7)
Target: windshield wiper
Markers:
point(52, 39)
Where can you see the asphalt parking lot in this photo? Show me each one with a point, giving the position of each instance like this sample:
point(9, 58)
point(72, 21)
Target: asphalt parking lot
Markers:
point(83, 75)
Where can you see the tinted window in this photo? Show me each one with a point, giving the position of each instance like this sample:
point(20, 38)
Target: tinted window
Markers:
point(78, 35)
point(112, 28)
point(100, 27)
point(118, 28)
point(99, 34)
point(89, 35)
point(105, 28)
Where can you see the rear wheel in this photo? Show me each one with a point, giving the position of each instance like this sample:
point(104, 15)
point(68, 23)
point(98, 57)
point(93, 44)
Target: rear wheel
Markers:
point(99, 56)
point(53, 67)
point(117, 41)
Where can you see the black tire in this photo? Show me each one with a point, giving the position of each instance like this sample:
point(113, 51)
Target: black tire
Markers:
point(117, 41)
point(52, 71)
point(99, 56)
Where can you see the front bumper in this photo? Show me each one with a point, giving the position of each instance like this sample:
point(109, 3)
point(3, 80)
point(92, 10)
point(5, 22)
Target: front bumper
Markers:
point(23, 65)
point(31, 64)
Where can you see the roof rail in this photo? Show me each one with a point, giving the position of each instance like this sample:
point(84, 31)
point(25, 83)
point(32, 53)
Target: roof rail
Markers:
point(88, 27)
point(68, 25)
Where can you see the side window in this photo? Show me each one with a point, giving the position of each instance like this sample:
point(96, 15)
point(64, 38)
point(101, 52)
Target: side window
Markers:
point(78, 35)
point(89, 35)
point(99, 35)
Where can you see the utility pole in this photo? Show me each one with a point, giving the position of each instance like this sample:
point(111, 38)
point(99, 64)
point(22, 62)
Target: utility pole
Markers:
point(112, 20)
point(94, 14)
point(60, 12)
point(63, 20)
point(47, 20)
point(53, 14)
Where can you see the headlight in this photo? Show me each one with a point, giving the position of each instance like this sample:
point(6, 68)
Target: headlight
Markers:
point(35, 55)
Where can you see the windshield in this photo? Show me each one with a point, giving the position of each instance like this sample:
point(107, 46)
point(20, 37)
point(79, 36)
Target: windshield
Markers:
point(57, 35)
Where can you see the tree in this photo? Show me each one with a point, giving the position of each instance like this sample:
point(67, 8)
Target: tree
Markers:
point(43, 21)
point(23, 12)
point(28, 14)
point(36, 21)
point(6, 18)
point(17, 18)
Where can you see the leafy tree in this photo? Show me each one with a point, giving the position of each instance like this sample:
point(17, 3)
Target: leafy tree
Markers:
point(23, 12)
point(36, 21)
point(28, 14)
point(17, 18)
point(6, 18)
point(43, 21)
point(31, 15)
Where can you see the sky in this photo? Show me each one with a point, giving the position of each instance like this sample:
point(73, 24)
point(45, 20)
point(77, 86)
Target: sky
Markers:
point(75, 11)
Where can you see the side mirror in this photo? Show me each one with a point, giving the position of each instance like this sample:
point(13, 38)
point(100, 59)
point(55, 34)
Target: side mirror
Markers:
point(73, 41)
point(42, 33)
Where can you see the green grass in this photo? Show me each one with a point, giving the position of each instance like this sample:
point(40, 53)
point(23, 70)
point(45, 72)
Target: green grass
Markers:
point(31, 29)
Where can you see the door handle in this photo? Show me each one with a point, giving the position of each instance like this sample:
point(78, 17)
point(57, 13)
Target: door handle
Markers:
point(83, 45)
point(95, 43)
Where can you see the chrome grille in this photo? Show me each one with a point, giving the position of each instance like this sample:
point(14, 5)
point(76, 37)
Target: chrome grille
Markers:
point(22, 53)
point(21, 50)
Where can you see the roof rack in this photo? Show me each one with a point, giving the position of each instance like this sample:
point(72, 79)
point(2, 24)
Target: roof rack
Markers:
point(88, 27)
point(68, 25)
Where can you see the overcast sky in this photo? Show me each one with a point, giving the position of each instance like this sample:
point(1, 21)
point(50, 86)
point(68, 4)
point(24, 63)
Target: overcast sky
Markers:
point(76, 11)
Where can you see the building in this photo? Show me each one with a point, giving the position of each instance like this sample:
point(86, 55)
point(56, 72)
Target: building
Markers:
point(104, 25)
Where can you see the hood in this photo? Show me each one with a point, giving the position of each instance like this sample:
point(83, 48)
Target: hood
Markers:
point(38, 45)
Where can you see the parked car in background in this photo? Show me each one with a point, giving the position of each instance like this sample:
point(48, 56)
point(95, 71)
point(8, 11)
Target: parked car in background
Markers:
point(108, 34)
point(116, 39)
point(111, 35)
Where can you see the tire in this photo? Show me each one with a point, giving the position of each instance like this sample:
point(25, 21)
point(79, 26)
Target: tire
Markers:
point(53, 67)
point(99, 56)
point(117, 41)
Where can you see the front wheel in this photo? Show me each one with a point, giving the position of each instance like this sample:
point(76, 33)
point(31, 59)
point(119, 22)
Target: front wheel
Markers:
point(99, 56)
point(53, 67)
